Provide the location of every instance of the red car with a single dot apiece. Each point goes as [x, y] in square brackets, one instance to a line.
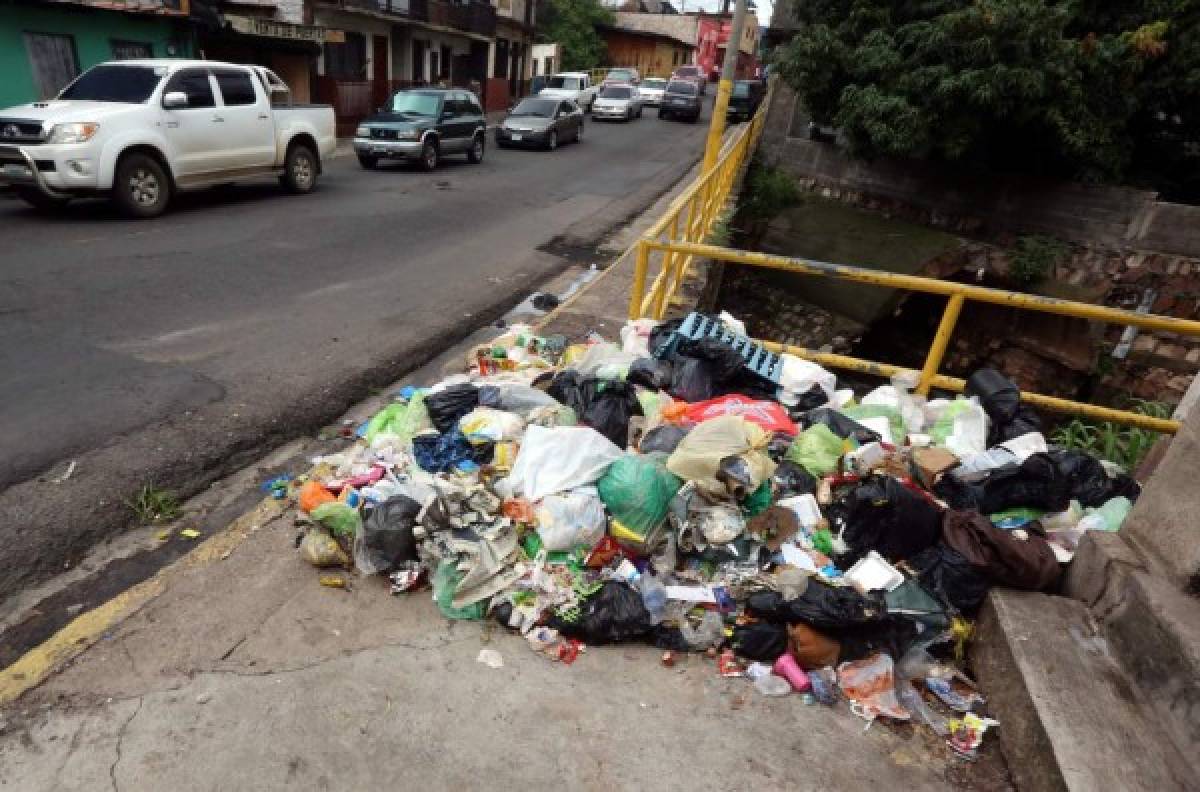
[692, 74]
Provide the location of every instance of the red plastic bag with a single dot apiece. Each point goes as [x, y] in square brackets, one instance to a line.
[767, 414]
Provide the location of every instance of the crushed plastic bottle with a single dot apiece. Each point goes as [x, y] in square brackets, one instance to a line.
[654, 597]
[710, 632]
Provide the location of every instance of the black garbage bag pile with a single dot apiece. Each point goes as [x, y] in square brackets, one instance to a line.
[579, 504]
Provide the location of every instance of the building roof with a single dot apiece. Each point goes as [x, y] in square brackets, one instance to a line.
[649, 34]
[681, 28]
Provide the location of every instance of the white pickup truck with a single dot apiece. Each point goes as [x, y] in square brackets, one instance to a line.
[576, 86]
[141, 130]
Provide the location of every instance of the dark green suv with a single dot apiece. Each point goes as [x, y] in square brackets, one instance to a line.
[422, 126]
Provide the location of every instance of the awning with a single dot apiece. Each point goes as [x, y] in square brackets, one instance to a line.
[270, 28]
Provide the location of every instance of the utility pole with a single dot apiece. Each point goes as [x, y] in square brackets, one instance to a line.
[733, 50]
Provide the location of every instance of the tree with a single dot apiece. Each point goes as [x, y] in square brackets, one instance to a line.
[572, 24]
[1066, 87]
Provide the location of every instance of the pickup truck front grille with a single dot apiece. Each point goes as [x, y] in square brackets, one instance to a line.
[383, 134]
[16, 130]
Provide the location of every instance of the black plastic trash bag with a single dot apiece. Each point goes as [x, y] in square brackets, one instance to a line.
[387, 535]
[445, 452]
[790, 479]
[650, 373]
[665, 438]
[811, 399]
[1089, 482]
[760, 641]
[569, 388]
[943, 572]
[609, 408]
[884, 515]
[613, 614]
[449, 404]
[1026, 421]
[999, 396]
[839, 424]
[1037, 483]
[828, 609]
[703, 369]
[659, 342]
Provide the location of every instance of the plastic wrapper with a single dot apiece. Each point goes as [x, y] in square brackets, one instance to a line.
[839, 424]
[496, 426]
[402, 419]
[817, 449]
[450, 451]
[445, 584]
[766, 414]
[870, 684]
[560, 459]
[797, 378]
[637, 491]
[635, 336]
[709, 633]
[340, 519]
[322, 550]
[386, 539]
[862, 413]
[312, 495]
[698, 458]
[449, 404]
[604, 361]
[570, 519]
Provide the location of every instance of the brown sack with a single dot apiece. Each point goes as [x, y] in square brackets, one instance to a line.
[813, 649]
[1002, 557]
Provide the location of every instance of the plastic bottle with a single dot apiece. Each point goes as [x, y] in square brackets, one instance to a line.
[654, 597]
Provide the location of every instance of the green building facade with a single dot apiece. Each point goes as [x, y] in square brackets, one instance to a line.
[43, 45]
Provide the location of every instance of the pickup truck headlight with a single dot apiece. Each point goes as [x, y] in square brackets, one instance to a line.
[362, 132]
[72, 133]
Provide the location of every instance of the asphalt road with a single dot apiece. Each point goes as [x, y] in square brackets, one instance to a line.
[248, 313]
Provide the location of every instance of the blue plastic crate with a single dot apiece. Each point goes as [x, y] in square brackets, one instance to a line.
[697, 326]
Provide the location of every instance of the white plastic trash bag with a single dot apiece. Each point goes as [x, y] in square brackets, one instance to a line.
[560, 458]
[570, 519]
[635, 336]
[497, 426]
[604, 361]
[797, 376]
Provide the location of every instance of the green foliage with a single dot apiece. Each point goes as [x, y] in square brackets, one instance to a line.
[153, 505]
[1085, 88]
[1124, 445]
[1033, 259]
[572, 23]
[768, 192]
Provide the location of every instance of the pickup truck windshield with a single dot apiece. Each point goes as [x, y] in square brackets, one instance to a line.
[565, 83]
[422, 104]
[615, 92]
[115, 83]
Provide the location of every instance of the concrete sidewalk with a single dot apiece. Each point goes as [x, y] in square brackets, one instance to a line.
[234, 669]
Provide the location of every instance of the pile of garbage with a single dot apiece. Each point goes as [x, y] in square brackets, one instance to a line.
[688, 489]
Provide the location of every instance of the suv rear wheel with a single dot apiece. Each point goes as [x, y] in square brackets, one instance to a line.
[140, 186]
[429, 156]
[475, 153]
[367, 161]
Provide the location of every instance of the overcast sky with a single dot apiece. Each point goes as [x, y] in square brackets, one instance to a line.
[763, 7]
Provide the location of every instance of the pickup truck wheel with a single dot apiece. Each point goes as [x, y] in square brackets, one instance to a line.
[429, 156]
[299, 170]
[140, 186]
[475, 153]
[367, 161]
[39, 200]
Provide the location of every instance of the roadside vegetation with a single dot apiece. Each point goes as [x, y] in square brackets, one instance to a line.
[1127, 446]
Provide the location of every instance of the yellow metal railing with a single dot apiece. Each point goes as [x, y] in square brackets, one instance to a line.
[678, 238]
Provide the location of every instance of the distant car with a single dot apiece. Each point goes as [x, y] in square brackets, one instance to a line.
[422, 126]
[681, 100]
[576, 86]
[652, 89]
[623, 75]
[617, 101]
[691, 73]
[541, 121]
[747, 95]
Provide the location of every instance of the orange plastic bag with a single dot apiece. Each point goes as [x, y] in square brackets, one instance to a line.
[313, 495]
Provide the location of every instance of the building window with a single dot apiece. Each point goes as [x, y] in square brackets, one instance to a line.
[128, 50]
[347, 60]
[52, 60]
[500, 68]
[434, 65]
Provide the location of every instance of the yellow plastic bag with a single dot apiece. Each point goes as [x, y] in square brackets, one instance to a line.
[698, 456]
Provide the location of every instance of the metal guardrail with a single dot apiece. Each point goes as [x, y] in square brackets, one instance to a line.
[678, 238]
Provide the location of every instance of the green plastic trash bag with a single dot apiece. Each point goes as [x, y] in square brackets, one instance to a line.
[341, 520]
[817, 449]
[895, 421]
[943, 427]
[445, 583]
[758, 501]
[637, 491]
[403, 419]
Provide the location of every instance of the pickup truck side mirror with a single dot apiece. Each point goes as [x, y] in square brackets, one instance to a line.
[174, 99]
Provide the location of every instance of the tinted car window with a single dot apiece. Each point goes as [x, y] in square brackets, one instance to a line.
[565, 107]
[473, 105]
[741, 89]
[543, 108]
[416, 103]
[620, 74]
[688, 71]
[130, 84]
[681, 87]
[236, 87]
[653, 83]
[194, 83]
[566, 83]
[615, 92]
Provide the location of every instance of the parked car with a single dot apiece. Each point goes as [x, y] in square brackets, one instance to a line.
[422, 126]
[576, 86]
[139, 131]
[681, 100]
[617, 101]
[744, 100]
[651, 90]
[692, 73]
[623, 75]
[541, 121]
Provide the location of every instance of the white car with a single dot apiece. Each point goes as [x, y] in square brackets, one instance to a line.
[573, 86]
[652, 89]
[617, 101]
[141, 130]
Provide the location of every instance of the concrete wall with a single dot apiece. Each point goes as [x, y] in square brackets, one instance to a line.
[1111, 216]
[93, 31]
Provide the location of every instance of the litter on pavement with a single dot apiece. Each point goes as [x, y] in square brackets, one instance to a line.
[685, 488]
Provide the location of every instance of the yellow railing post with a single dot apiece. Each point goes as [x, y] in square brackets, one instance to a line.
[669, 280]
[937, 350]
[642, 262]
